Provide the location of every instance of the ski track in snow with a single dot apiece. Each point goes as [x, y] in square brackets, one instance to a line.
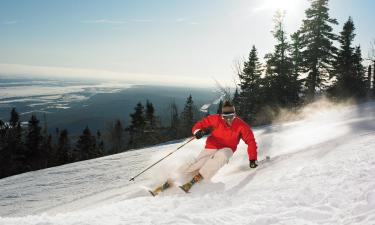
[322, 171]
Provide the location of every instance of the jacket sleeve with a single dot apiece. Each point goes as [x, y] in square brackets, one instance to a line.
[208, 121]
[248, 137]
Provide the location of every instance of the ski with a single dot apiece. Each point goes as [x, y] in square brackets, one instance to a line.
[184, 189]
[152, 193]
[160, 189]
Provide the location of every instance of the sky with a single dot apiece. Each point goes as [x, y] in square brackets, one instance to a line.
[196, 42]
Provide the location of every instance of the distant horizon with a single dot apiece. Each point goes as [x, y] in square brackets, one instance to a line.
[193, 43]
[136, 82]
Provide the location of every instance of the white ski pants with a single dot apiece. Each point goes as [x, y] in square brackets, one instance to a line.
[207, 163]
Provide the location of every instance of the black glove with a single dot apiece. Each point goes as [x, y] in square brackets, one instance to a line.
[253, 164]
[200, 133]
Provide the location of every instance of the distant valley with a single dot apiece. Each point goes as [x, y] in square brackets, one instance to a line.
[75, 104]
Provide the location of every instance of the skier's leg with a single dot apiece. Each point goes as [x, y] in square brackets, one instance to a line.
[191, 168]
[213, 164]
[210, 167]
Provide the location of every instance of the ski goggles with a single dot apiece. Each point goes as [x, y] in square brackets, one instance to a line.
[229, 116]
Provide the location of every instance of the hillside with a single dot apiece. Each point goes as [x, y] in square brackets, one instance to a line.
[322, 171]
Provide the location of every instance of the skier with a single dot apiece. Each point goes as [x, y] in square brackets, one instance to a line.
[225, 131]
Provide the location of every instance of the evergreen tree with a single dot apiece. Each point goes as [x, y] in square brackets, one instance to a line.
[48, 151]
[136, 129]
[250, 84]
[297, 68]
[14, 151]
[117, 137]
[283, 85]
[150, 118]
[187, 117]
[296, 53]
[14, 118]
[5, 155]
[35, 156]
[15, 144]
[317, 40]
[360, 73]
[99, 144]
[151, 125]
[86, 146]
[348, 66]
[64, 151]
[236, 100]
[3, 129]
[174, 129]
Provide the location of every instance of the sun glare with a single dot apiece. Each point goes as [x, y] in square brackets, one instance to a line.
[283, 5]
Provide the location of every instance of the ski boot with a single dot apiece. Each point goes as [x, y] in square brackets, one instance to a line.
[186, 187]
[161, 188]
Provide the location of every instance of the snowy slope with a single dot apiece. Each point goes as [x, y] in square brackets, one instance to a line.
[322, 171]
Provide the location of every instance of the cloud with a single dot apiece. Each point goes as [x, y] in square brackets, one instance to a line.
[104, 21]
[84, 73]
[181, 20]
[10, 22]
[186, 20]
[142, 21]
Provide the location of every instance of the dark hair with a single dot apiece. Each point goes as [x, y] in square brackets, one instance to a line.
[227, 104]
[227, 108]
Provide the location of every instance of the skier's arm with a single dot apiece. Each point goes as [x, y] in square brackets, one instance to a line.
[206, 123]
[248, 137]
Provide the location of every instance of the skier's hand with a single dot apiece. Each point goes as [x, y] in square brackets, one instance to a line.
[199, 134]
[208, 130]
[253, 164]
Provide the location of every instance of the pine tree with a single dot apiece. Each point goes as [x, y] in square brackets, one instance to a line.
[360, 73]
[317, 40]
[236, 100]
[14, 139]
[174, 129]
[64, 151]
[250, 84]
[116, 137]
[282, 82]
[86, 146]
[297, 68]
[35, 156]
[348, 66]
[150, 118]
[14, 118]
[99, 144]
[136, 129]
[151, 125]
[296, 53]
[47, 148]
[187, 117]
[14, 149]
[5, 155]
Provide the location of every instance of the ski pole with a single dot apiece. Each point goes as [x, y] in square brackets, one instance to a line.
[192, 138]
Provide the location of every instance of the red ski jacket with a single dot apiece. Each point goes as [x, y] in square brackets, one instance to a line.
[225, 136]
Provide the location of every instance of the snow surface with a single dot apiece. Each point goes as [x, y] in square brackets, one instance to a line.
[322, 171]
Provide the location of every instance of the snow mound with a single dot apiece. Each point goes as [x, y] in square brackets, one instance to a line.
[322, 171]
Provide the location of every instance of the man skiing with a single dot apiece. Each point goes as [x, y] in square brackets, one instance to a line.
[225, 131]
